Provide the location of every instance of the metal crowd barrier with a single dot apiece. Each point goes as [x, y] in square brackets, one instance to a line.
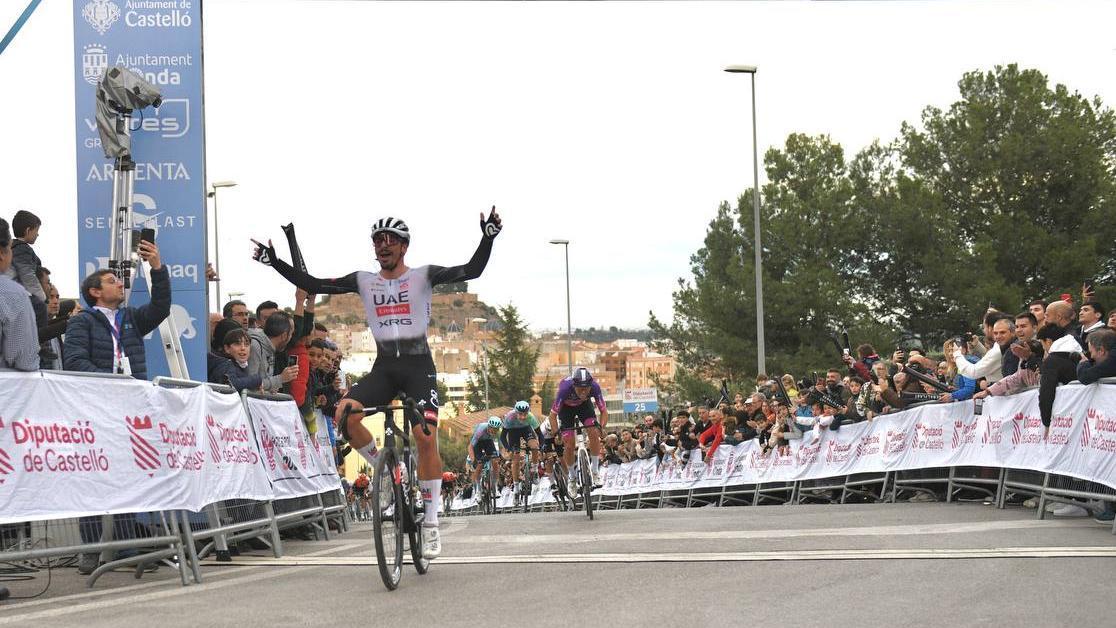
[143, 537]
[177, 538]
[962, 483]
[941, 484]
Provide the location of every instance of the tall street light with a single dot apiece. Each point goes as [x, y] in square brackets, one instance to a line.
[761, 348]
[484, 359]
[569, 327]
[217, 240]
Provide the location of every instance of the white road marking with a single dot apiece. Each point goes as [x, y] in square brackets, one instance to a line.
[117, 601]
[895, 530]
[230, 569]
[796, 555]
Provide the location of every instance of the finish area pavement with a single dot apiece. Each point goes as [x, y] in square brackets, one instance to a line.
[836, 565]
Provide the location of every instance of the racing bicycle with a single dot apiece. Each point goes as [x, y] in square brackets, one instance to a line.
[397, 508]
[584, 477]
[488, 493]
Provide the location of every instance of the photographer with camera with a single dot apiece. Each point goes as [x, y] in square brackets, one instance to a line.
[991, 365]
[862, 367]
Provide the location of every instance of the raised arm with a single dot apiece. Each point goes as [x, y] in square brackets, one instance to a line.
[265, 254]
[472, 269]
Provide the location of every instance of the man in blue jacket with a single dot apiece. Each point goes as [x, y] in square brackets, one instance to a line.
[108, 338]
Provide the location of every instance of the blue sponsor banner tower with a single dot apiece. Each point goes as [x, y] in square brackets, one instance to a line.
[162, 41]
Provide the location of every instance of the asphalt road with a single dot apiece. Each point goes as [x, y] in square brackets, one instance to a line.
[853, 565]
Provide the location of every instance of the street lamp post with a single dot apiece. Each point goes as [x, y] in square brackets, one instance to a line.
[761, 360]
[216, 237]
[569, 326]
[484, 362]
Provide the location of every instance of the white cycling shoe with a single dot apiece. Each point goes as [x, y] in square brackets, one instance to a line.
[431, 543]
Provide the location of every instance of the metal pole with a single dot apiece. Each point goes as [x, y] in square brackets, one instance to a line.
[217, 246]
[484, 351]
[760, 348]
[569, 325]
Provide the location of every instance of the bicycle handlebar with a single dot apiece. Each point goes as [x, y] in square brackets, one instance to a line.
[389, 409]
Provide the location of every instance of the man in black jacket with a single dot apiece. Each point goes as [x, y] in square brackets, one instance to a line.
[1091, 318]
[1058, 367]
[107, 338]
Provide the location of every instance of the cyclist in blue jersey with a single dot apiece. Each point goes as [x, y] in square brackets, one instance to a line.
[574, 404]
[397, 303]
[482, 445]
[520, 425]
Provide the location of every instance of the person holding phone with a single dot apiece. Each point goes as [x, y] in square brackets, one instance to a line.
[108, 338]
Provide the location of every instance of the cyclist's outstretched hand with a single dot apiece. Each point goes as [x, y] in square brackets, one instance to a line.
[492, 226]
[264, 254]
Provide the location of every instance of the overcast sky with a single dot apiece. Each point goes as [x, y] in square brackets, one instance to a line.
[608, 124]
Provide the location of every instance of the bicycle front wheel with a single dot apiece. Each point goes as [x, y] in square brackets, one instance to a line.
[586, 482]
[526, 484]
[387, 518]
[492, 494]
[564, 500]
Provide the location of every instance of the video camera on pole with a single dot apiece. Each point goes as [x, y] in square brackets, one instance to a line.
[120, 92]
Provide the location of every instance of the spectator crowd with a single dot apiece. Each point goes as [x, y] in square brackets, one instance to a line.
[268, 350]
[1044, 346]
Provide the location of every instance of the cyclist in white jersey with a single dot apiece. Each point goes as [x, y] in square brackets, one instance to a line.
[397, 303]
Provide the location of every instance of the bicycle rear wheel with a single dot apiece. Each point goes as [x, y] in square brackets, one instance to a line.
[387, 518]
[586, 481]
[415, 505]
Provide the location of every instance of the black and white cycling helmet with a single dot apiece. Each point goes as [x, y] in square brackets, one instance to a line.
[581, 377]
[392, 225]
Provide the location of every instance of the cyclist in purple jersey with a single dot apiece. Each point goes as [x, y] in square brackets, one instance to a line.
[574, 404]
[397, 302]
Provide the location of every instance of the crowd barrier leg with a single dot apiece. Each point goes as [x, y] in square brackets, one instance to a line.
[324, 518]
[860, 483]
[1041, 514]
[273, 528]
[168, 537]
[106, 536]
[220, 540]
[184, 557]
[1063, 489]
[191, 546]
[1020, 481]
[975, 479]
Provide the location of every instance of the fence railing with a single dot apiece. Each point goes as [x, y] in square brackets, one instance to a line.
[178, 537]
[944, 450]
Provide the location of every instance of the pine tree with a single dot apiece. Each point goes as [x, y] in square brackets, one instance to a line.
[511, 359]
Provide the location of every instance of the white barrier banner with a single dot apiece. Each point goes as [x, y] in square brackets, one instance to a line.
[292, 457]
[1008, 433]
[73, 446]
